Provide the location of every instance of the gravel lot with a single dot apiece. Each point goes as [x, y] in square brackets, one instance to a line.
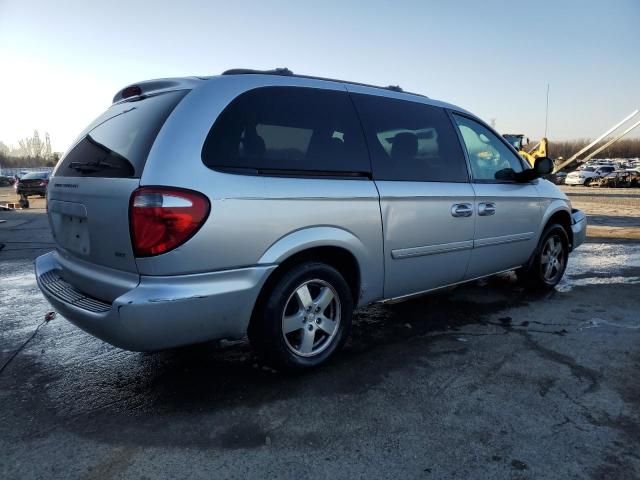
[483, 381]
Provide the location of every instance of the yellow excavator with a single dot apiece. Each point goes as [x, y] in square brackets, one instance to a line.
[539, 149]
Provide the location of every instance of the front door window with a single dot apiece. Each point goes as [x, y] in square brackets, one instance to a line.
[491, 160]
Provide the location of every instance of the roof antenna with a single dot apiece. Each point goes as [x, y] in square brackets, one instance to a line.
[546, 118]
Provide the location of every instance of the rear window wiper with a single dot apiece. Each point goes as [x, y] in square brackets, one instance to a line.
[93, 166]
[87, 167]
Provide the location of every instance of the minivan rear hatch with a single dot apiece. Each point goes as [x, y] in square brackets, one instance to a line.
[90, 190]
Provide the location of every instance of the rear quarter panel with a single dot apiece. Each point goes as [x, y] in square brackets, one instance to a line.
[253, 217]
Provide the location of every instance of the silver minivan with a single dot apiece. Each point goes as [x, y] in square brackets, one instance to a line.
[273, 204]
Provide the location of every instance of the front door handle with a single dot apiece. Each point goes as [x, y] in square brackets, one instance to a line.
[486, 209]
[462, 210]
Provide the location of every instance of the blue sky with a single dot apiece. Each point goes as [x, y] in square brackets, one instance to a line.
[63, 61]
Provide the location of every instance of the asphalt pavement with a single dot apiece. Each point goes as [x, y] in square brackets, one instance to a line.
[484, 381]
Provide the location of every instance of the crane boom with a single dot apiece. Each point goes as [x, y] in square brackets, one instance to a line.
[610, 142]
[612, 129]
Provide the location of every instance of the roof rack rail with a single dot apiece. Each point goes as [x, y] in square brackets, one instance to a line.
[288, 73]
[246, 71]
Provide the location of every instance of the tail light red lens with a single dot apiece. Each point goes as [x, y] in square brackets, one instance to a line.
[162, 218]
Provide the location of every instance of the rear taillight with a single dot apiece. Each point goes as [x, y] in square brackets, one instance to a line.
[163, 218]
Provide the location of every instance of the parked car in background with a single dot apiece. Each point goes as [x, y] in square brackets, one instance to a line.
[559, 177]
[618, 179]
[587, 175]
[634, 178]
[6, 181]
[34, 183]
[273, 204]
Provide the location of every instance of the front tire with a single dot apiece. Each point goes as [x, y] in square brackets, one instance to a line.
[549, 263]
[305, 318]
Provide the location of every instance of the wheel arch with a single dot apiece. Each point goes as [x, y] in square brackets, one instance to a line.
[558, 213]
[332, 245]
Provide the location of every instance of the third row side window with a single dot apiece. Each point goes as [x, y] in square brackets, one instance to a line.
[288, 129]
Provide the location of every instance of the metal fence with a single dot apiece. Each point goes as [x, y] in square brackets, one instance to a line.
[604, 197]
[10, 172]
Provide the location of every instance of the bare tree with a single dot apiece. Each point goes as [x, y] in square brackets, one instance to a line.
[31, 152]
[34, 147]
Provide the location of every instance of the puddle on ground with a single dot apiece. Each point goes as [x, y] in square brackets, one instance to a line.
[603, 258]
[599, 322]
[22, 306]
[606, 262]
[567, 283]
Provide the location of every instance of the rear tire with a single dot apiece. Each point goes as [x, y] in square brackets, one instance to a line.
[546, 268]
[304, 319]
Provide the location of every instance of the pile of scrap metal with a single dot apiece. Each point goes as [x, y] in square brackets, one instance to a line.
[618, 179]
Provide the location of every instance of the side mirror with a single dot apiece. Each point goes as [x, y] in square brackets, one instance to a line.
[542, 166]
[507, 174]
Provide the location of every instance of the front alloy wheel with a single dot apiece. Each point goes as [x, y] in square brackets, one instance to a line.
[549, 261]
[552, 260]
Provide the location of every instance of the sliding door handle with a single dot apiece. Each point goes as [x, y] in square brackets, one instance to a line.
[486, 209]
[462, 210]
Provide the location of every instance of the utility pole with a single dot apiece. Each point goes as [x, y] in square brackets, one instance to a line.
[546, 117]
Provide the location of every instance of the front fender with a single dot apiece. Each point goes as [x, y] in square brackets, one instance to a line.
[369, 260]
[554, 206]
[551, 207]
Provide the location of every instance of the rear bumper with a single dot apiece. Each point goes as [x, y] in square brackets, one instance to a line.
[574, 181]
[578, 227]
[160, 312]
[31, 191]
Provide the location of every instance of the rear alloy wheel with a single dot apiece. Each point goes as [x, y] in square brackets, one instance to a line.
[305, 318]
[550, 261]
[311, 318]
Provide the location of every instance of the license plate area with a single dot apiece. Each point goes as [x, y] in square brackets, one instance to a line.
[71, 232]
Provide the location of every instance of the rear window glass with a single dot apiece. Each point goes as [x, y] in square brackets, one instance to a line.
[35, 175]
[411, 141]
[288, 129]
[119, 145]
